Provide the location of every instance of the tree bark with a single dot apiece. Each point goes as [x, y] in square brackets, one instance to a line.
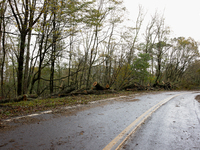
[53, 49]
[26, 73]
[2, 46]
[21, 63]
[24, 25]
[98, 86]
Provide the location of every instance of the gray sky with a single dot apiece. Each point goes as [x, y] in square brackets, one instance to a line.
[183, 17]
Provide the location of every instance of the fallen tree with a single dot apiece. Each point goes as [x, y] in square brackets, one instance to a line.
[98, 86]
[98, 89]
[25, 97]
[87, 92]
[134, 87]
[107, 86]
[166, 86]
[67, 90]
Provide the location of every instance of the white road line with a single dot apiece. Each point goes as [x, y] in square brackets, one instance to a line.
[50, 111]
[32, 115]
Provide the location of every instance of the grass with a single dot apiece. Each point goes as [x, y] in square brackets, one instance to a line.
[12, 109]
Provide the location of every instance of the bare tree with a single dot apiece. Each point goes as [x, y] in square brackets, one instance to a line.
[161, 46]
[135, 30]
[181, 55]
[3, 8]
[25, 20]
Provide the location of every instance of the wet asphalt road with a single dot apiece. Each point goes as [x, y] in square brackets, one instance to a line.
[173, 126]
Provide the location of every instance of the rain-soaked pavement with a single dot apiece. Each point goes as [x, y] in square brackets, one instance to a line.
[175, 125]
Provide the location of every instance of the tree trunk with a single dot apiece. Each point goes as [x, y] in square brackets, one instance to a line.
[92, 58]
[24, 20]
[26, 73]
[1, 54]
[158, 71]
[52, 77]
[70, 58]
[2, 47]
[20, 63]
[14, 76]
[98, 86]
[53, 53]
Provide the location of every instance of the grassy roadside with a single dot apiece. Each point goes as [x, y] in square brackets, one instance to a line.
[8, 110]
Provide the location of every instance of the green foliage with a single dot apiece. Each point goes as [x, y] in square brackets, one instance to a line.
[140, 66]
[184, 53]
[94, 18]
[87, 36]
[191, 76]
[123, 78]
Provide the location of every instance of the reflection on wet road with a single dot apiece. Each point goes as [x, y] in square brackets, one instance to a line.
[174, 126]
[96, 125]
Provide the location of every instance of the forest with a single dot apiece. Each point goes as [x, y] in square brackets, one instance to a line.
[47, 46]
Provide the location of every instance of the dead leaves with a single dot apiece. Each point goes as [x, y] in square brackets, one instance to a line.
[81, 133]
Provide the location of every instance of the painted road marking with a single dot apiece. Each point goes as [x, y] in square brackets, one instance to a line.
[31, 115]
[136, 123]
[65, 108]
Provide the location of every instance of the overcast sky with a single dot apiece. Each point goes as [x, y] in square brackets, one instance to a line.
[183, 17]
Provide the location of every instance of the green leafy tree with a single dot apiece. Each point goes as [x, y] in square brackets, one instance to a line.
[140, 66]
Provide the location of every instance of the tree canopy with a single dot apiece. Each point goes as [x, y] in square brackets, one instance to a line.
[50, 45]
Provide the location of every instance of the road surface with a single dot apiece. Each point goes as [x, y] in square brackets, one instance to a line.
[164, 120]
[175, 126]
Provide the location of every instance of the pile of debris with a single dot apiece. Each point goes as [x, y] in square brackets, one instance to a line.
[97, 90]
[138, 87]
[25, 97]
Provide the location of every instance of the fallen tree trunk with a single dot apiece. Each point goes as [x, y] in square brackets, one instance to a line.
[86, 92]
[98, 86]
[24, 97]
[62, 93]
[166, 86]
[69, 90]
[72, 94]
[135, 87]
[30, 97]
[131, 89]
[107, 87]
[100, 92]
[7, 100]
